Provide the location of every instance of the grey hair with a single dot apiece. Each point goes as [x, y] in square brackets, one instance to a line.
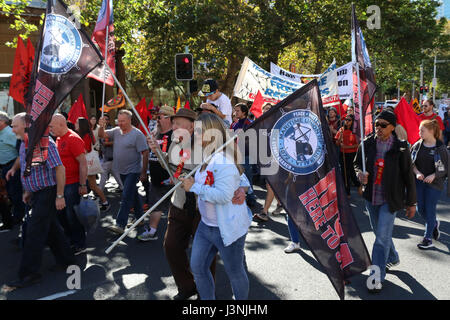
[21, 116]
[4, 117]
[127, 112]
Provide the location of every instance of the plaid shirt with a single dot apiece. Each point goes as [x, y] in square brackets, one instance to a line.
[378, 196]
[41, 176]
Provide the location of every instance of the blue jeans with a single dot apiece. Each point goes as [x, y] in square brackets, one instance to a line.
[130, 199]
[207, 242]
[427, 199]
[68, 218]
[293, 230]
[382, 222]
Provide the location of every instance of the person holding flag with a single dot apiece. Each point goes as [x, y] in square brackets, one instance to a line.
[389, 186]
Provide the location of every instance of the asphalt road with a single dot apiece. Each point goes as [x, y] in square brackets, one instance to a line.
[139, 271]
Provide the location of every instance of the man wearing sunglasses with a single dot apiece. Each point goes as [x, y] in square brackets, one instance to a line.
[428, 114]
[389, 187]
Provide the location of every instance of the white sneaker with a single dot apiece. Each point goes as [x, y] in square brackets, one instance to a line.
[292, 247]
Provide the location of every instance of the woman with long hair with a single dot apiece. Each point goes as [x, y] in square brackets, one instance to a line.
[430, 165]
[348, 143]
[83, 128]
[224, 225]
[94, 128]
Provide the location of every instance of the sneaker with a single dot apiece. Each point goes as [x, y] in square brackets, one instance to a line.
[145, 207]
[147, 236]
[78, 250]
[261, 217]
[278, 210]
[116, 229]
[436, 232]
[376, 289]
[292, 247]
[391, 265]
[105, 207]
[425, 244]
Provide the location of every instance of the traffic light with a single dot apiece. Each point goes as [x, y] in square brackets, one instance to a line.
[184, 67]
[424, 89]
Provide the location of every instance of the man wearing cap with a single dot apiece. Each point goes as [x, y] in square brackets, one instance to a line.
[223, 107]
[389, 187]
[159, 178]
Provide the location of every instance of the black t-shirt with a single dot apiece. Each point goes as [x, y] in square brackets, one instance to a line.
[157, 173]
[425, 160]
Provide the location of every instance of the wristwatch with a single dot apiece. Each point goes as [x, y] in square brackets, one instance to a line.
[82, 185]
[60, 196]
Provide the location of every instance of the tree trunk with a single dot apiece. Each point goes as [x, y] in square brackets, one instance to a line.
[234, 65]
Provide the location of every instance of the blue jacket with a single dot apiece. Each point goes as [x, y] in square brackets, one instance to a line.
[233, 220]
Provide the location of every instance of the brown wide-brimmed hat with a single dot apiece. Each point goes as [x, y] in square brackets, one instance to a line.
[185, 113]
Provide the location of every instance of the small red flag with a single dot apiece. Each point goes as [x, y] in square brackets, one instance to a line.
[77, 110]
[186, 105]
[19, 84]
[408, 119]
[141, 108]
[256, 108]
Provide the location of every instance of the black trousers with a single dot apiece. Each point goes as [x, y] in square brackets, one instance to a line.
[43, 229]
[349, 170]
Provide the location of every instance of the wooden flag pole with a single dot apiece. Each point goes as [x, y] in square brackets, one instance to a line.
[104, 68]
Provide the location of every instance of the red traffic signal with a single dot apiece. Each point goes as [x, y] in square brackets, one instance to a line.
[184, 67]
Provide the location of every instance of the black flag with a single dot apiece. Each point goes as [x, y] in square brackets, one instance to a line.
[360, 57]
[64, 57]
[302, 169]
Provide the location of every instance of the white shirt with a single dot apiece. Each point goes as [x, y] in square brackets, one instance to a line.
[207, 209]
[223, 103]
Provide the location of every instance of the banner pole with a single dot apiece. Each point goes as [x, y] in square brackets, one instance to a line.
[104, 68]
[107, 251]
[158, 151]
[361, 119]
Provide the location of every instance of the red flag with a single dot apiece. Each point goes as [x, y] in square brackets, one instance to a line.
[141, 108]
[31, 53]
[150, 105]
[19, 83]
[105, 19]
[78, 110]
[186, 105]
[368, 123]
[408, 119]
[256, 108]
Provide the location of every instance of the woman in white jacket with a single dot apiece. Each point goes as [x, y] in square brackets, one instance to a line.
[224, 225]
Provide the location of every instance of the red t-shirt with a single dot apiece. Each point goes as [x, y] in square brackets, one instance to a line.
[438, 119]
[349, 139]
[70, 146]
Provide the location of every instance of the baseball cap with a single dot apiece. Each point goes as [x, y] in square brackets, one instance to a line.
[208, 88]
[166, 110]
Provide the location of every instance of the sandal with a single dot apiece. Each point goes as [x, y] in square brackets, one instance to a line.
[261, 217]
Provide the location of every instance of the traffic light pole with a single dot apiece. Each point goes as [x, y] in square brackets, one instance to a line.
[421, 82]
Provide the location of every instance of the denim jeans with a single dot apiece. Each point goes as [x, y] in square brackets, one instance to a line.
[382, 222]
[427, 199]
[68, 218]
[130, 199]
[14, 189]
[293, 230]
[207, 242]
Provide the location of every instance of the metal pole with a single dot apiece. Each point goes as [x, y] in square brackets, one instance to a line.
[412, 90]
[398, 90]
[158, 151]
[434, 80]
[104, 68]
[168, 194]
[421, 82]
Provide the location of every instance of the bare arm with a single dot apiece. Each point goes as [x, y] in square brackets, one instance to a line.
[144, 164]
[60, 182]
[83, 172]
[14, 168]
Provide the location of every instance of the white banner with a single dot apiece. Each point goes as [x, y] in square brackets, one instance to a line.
[328, 85]
[344, 78]
[253, 78]
[345, 81]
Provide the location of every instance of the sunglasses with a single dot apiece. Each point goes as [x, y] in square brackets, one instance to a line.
[382, 125]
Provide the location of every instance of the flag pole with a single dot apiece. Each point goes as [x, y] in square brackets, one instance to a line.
[104, 68]
[107, 251]
[158, 151]
[361, 119]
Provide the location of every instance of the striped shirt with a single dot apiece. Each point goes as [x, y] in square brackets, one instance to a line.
[42, 176]
[378, 196]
